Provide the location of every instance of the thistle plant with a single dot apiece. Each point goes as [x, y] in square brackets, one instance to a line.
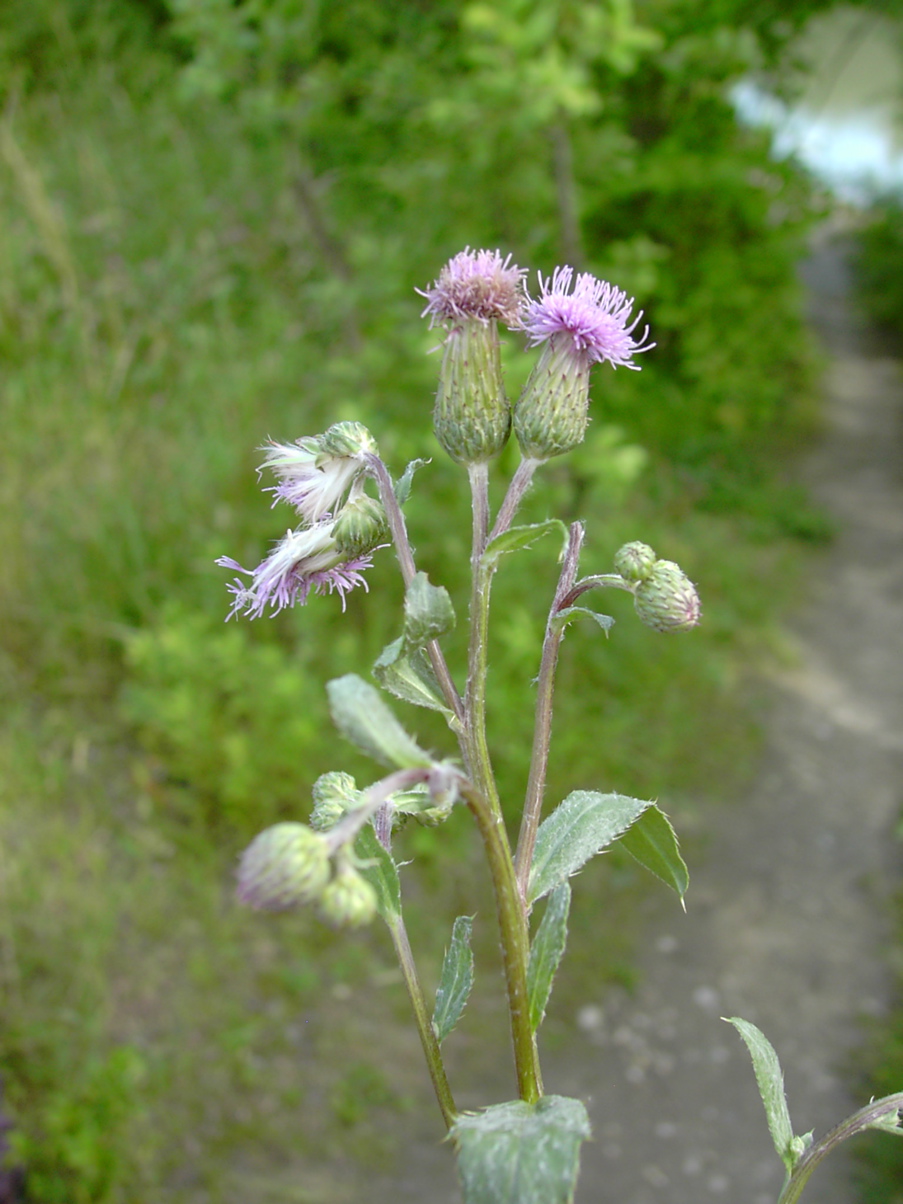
[344, 862]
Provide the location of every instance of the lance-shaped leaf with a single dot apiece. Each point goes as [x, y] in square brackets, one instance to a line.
[562, 618]
[582, 826]
[546, 952]
[456, 979]
[359, 713]
[381, 872]
[402, 486]
[653, 843]
[771, 1088]
[410, 677]
[516, 538]
[428, 612]
[519, 1153]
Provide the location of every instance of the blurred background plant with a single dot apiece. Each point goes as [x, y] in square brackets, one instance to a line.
[215, 215]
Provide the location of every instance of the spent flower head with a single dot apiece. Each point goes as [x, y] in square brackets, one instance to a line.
[315, 473]
[304, 561]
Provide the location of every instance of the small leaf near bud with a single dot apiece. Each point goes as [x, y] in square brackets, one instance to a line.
[349, 901]
[635, 561]
[285, 866]
[667, 599]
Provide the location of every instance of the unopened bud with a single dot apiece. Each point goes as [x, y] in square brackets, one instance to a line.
[635, 561]
[349, 901]
[360, 526]
[284, 866]
[667, 599]
[334, 795]
[347, 439]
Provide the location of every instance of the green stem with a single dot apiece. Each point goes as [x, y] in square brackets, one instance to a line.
[519, 485]
[542, 729]
[865, 1118]
[399, 532]
[428, 1040]
[515, 941]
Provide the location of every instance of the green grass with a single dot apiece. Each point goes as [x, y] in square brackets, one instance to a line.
[161, 313]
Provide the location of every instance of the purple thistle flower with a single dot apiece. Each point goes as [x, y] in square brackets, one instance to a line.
[593, 318]
[304, 561]
[477, 284]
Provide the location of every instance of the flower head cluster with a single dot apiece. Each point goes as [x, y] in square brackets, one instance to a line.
[323, 478]
[592, 319]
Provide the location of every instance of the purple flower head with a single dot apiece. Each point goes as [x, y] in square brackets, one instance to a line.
[303, 561]
[594, 317]
[477, 284]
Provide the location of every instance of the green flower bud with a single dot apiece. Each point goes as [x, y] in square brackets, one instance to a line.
[667, 600]
[635, 561]
[346, 439]
[360, 526]
[334, 795]
[284, 866]
[551, 416]
[349, 901]
[472, 415]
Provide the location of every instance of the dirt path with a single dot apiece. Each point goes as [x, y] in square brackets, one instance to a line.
[787, 921]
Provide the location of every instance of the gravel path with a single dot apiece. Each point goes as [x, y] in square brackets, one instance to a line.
[787, 917]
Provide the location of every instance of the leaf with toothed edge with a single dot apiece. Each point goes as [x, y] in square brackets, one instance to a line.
[516, 538]
[360, 714]
[456, 979]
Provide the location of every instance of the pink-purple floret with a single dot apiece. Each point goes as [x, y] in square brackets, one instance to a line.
[477, 284]
[279, 590]
[595, 315]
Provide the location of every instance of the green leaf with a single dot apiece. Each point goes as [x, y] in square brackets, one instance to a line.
[516, 538]
[360, 714]
[410, 677]
[579, 828]
[771, 1088]
[402, 486]
[653, 843]
[519, 1153]
[381, 872]
[456, 979]
[563, 617]
[546, 952]
[428, 612]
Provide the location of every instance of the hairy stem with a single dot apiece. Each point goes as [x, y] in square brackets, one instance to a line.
[519, 485]
[399, 532]
[514, 938]
[863, 1119]
[542, 730]
[428, 1040]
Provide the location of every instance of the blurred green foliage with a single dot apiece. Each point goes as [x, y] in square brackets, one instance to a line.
[879, 265]
[215, 214]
